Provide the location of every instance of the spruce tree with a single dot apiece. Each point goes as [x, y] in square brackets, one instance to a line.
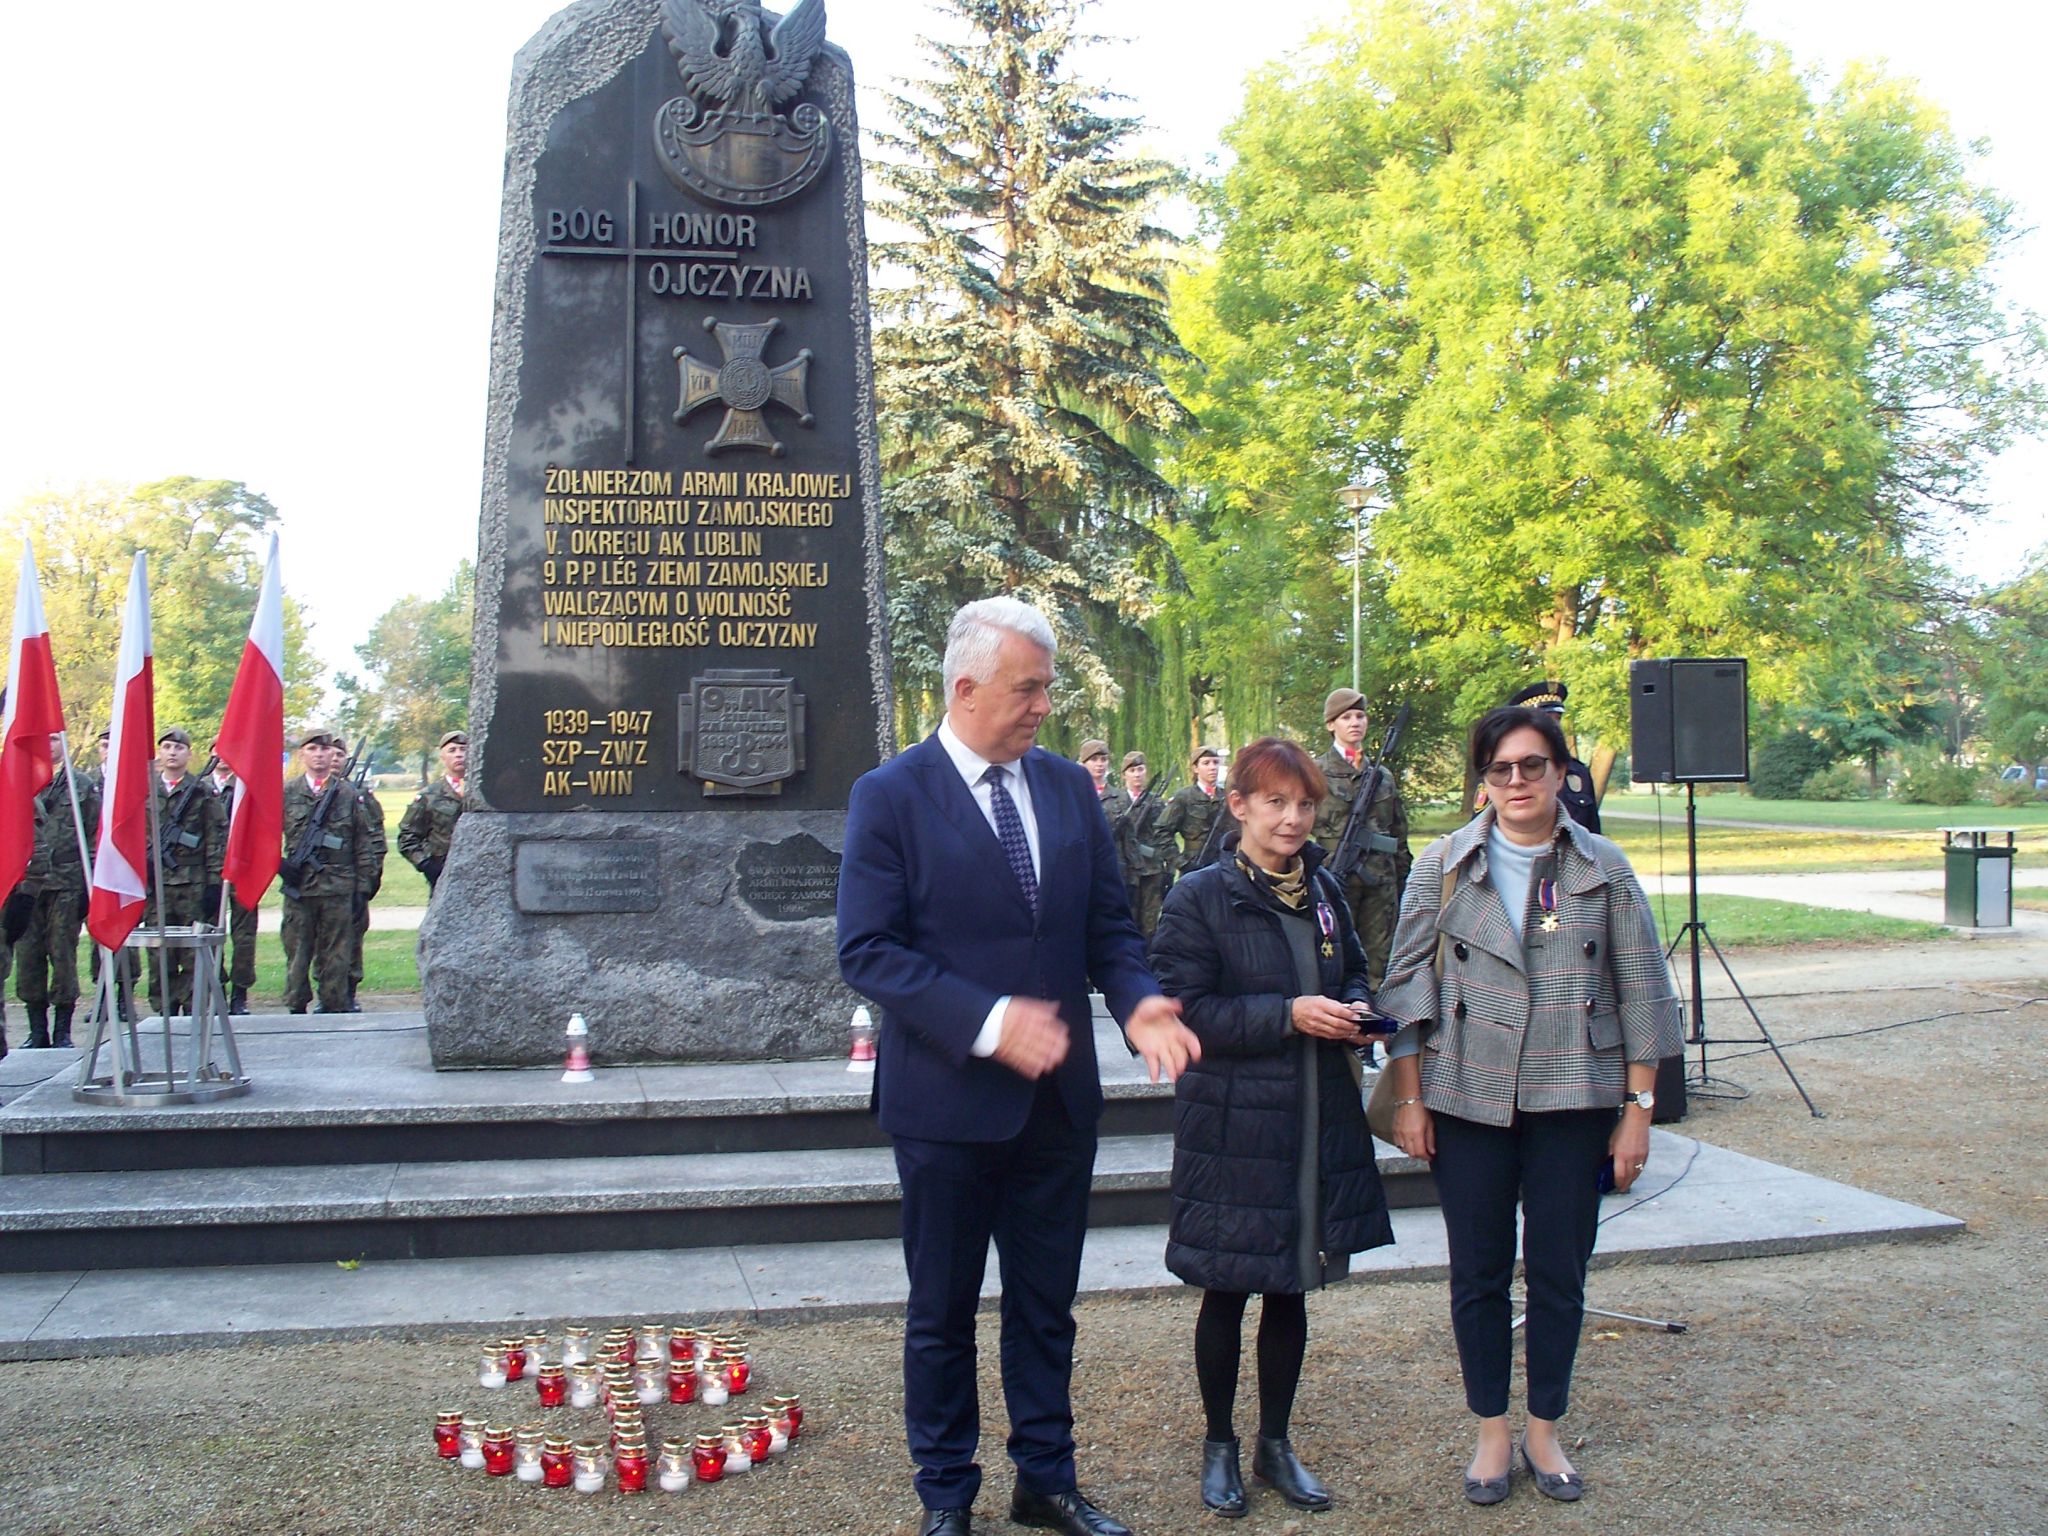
[1021, 326]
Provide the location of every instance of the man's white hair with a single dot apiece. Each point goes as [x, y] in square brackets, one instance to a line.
[977, 631]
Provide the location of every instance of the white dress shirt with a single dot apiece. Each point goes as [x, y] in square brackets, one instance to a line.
[971, 766]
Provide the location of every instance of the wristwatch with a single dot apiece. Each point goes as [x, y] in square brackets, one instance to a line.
[1643, 1100]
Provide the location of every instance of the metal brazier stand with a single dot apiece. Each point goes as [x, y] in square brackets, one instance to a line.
[212, 1068]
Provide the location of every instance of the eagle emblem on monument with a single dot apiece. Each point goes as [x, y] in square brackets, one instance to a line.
[727, 140]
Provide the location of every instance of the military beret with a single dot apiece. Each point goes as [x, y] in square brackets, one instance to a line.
[459, 736]
[1341, 699]
[1547, 696]
[318, 736]
[175, 733]
[1202, 752]
[1134, 760]
[1092, 748]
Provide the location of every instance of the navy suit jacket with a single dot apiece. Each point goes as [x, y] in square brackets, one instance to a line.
[933, 927]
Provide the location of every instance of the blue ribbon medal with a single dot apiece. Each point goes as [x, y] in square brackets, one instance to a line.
[1546, 898]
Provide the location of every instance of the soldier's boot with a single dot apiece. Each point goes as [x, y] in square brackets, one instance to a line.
[60, 1035]
[238, 1001]
[38, 1028]
[3, 1043]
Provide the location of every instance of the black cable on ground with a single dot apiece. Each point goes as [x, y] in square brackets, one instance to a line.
[1878, 1029]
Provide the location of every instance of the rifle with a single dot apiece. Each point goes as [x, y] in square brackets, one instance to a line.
[1212, 845]
[309, 858]
[1357, 843]
[172, 838]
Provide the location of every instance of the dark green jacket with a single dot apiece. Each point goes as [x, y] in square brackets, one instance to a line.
[1386, 814]
[350, 852]
[197, 837]
[428, 825]
[55, 864]
[1190, 815]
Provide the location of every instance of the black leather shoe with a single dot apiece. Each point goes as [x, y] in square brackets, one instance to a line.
[1275, 1463]
[947, 1522]
[1222, 1483]
[1068, 1512]
[238, 1001]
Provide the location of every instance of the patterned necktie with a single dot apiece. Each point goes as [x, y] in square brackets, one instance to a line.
[1010, 832]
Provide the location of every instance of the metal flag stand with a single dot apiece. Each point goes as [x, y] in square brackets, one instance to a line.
[128, 1081]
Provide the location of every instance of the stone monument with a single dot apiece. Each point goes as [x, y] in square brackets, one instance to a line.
[681, 663]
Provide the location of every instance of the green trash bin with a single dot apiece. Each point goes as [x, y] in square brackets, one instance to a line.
[1978, 887]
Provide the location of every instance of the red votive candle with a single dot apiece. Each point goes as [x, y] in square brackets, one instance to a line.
[448, 1434]
[553, 1385]
[708, 1457]
[498, 1449]
[557, 1462]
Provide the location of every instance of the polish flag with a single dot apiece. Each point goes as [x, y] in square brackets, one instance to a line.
[252, 744]
[34, 713]
[118, 891]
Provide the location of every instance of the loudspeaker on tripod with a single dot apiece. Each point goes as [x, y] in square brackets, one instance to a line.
[1689, 720]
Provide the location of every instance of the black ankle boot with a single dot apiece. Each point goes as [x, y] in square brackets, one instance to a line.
[1222, 1484]
[238, 1001]
[38, 1028]
[1274, 1462]
[61, 1035]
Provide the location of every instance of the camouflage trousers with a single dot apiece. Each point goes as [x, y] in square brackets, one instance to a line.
[1145, 893]
[241, 946]
[182, 904]
[1374, 910]
[319, 938]
[46, 955]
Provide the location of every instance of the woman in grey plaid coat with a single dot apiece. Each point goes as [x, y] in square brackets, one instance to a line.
[1536, 1004]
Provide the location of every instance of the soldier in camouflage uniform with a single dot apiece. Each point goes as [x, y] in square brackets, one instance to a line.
[1114, 802]
[428, 825]
[192, 839]
[1140, 849]
[1375, 890]
[1191, 814]
[241, 920]
[341, 867]
[373, 827]
[46, 954]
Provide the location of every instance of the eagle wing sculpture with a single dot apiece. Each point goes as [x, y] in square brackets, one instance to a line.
[792, 47]
[693, 38]
[744, 69]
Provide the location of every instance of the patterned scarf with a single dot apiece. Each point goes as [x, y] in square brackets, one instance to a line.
[1289, 888]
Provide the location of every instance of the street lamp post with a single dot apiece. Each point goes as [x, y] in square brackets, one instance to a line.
[1353, 499]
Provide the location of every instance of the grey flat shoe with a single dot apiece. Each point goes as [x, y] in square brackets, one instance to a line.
[1565, 1487]
[1490, 1490]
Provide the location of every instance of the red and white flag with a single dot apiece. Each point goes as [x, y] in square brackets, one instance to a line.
[34, 714]
[252, 744]
[122, 858]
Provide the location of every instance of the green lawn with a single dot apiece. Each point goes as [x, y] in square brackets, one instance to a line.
[1752, 922]
[1870, 815]
[1762, 850]
[388, 965]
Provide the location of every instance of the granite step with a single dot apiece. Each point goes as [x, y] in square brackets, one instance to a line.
[362, 1090]
[431, 1210]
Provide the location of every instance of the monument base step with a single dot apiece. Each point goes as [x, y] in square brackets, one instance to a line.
[1696, 1202]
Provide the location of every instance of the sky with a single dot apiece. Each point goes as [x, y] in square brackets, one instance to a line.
[256, 241]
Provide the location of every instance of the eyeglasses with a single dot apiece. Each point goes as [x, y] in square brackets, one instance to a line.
[1533, 768]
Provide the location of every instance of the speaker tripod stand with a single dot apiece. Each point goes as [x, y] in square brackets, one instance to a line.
[1706, 1085]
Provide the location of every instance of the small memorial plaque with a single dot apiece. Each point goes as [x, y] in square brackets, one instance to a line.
[790, 881]
[586, 874]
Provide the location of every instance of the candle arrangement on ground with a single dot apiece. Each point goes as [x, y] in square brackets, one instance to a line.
[624, 1374]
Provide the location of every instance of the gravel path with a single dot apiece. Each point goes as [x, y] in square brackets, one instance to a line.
[1869, 1389]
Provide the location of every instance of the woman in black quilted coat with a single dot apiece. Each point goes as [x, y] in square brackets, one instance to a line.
[1274, 1185]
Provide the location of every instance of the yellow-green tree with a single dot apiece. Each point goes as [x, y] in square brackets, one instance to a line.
[205, 540]
[1656, 347]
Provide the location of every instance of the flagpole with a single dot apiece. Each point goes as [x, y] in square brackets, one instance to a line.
[154, 860]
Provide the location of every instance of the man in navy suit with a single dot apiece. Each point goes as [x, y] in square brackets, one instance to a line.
[978, 899]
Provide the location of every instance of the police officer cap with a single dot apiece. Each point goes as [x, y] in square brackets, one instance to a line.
[1546, 696]
[319, 736]
[1134, 760]
[1092, 748]
[177, 734]
[1341, 699]
[1202, 752]
[455, 736]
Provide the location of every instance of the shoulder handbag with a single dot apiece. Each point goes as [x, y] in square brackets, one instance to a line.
[1379, 1106]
